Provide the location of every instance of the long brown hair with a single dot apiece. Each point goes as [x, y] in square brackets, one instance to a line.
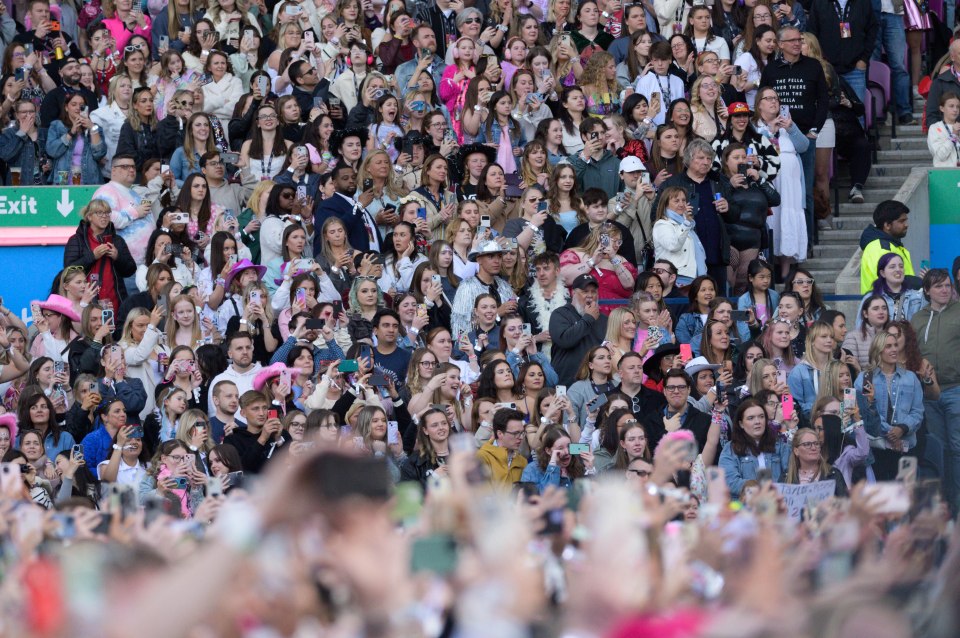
[575, 470]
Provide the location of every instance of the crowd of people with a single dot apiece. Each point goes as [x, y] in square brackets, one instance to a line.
[408, 312]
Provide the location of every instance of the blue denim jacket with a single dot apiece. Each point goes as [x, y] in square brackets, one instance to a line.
[907, 395]
[688, 326]
[740, 469]
[517, 140]
[17, 150]
[60, 149]
[803, 383]
[551, 476]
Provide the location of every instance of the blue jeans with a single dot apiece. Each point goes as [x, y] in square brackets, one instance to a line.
[893, 39]
[808, 159]
[943, 421]
[857, 80]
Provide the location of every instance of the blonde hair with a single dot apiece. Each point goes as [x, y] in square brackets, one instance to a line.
[615, 323]
[697, 105]
[830, 381]
[793, 469]
[95, 206]
[188, 421]
[592, 241]
[172, 324]
[453, 227]
[594, 77]
[755, 380]
[817, 329]
[394, 189]
[253, 203]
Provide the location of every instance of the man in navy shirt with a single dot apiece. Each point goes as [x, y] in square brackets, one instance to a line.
[386, 328]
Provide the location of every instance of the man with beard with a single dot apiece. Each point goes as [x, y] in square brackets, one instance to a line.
[52, 105]
[543, 299]
[242, 368]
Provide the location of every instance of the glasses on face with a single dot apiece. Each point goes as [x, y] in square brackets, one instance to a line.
[773, 98]
[126, 167]
[202, 33]
[803, 282]
[179, 458]
[214, 164]
[791, 41]
[515, 434]
[267, 118]
[298, 424]
[130, 48]
[661, 271]
[27, 112]
[640, 473]
[810, 445]
[429, 364]
[675, 388]
[472, 21]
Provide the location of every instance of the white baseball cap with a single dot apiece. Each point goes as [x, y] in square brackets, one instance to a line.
[630, 164]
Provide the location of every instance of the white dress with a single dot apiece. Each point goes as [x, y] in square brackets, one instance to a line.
[788, 221]
[749, 66]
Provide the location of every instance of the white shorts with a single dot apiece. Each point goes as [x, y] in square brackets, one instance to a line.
[828, 135]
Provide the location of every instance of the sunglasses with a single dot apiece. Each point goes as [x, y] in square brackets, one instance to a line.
[472, 21]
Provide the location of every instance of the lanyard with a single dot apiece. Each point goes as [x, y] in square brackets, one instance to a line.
[844, 13]
[265, 164]
[665, 91]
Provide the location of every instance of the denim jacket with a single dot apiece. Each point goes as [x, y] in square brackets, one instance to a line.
[60, 147]
[740, 469]
[907, 395]
[688, 326]
[550, 375]
[517, 139]
[804, 381]
[17, 150]
[910, 302]
[551, 476]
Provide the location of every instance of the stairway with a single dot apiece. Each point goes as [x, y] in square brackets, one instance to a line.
[895, 159]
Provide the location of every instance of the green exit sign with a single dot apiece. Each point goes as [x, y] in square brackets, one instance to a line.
[43, 205]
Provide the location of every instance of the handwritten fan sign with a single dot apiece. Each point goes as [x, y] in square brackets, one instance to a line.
[799, 496]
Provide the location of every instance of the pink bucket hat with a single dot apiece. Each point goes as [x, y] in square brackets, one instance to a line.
[263, 377]
[239, 267]
[62, 305]
[9, 420]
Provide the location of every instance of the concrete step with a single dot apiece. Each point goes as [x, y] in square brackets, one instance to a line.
[832, 251]
[834, 264]
[846, 236]
[918, 157]
[904, 143]
[913, 130]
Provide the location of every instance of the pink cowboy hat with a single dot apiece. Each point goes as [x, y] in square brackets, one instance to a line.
[62, 305]
[263, 377]
[9, 420]
[239, 267]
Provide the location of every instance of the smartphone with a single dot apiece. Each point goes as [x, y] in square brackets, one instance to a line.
[179, 218]
[925, 264]
[136, 432]
[301, 296]
[164, 42]
[849, 399]
[273, 414]
[561, 390]
[180, 482]
[293, 9]
[597, 402]
[393, 432]
[890, 497]
[542, 206]
[686, 352]
[784, 110]
[235, 479]
[656, 333]
[9, 476]
[377, 380]
[315, 324]
[18, 75]
[436, 553]
[781, 376]
[103, 527]
[308, 36]
[263, 83]
[737, 70]
[907, 469]
[367, 184]
[229, 157]
[484, 221]
[54, 25]
[214, 486]
[348, 365]
[740, 315]
[716, 485]
[787, 406]
[576, 449]
[527, 329]
[77, 451]
[764, 476]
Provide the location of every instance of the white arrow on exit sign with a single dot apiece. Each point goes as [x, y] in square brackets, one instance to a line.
[64, 206]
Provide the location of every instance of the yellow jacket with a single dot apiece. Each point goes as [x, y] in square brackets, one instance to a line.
[495, 458]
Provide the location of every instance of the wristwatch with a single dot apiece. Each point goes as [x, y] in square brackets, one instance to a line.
[117, 448]
[502, 27]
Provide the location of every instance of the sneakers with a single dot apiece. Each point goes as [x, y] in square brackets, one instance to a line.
[824, 224]
[856, 195]
[906, 120]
